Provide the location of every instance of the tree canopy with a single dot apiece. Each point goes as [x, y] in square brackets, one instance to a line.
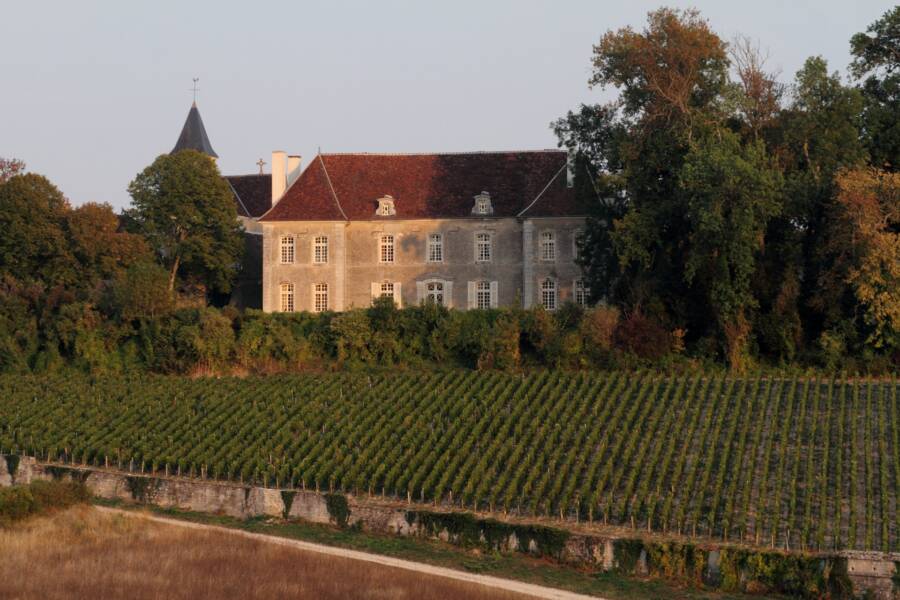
[717, 195]
[185, 210]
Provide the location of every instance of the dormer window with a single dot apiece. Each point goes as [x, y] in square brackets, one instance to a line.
[483, 204]
[385, 207]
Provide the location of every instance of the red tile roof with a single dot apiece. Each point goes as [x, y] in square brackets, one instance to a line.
[347, 186]
[253, 193]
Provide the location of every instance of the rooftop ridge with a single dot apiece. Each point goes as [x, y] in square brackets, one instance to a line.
[459, 153]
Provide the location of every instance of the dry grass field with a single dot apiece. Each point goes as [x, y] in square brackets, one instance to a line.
[82, 553]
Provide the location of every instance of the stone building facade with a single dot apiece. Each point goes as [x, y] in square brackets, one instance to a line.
[472, 230]
[465, 230]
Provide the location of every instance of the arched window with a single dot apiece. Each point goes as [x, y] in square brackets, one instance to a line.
[320, 297]
[548, 246]
[548, 294]
[320, 250]
[483, 247]
[287, 249]
[287, 297]
[386, 249]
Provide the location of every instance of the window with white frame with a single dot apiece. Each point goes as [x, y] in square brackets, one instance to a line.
[387, 289]
[482, 204]
[483, 247]
[320, 250]
[435, 247]
[385, 207]
[287, 249]
[434, 292]
[287, 297]
[320, 297]
[548, 294]
[576, 243]
[483, 295]
[580, 293]
[386, 249]
[548, 246]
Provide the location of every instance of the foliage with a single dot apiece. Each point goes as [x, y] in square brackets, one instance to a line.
[719, 458]
[186, 212]
[876, 54]
[34, 246]
[712, 197]
[10, 167]
[20, 502]
[338, 509]
[865, 240]
[465, 529]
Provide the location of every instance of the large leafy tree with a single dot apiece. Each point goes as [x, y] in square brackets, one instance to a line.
[730, 191]
[865, 241]
[97, 241]
[34, 246]
[876, 62]
[185, 210]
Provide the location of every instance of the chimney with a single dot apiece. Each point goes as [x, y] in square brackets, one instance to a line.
[293, 169]
[279, 175]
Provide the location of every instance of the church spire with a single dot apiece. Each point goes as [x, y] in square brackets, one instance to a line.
[193, 134]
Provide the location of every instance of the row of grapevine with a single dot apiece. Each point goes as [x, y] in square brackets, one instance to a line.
[777, 462]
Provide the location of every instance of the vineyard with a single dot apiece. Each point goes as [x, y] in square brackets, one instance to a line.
[797, 464]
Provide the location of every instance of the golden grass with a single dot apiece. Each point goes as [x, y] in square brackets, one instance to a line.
[83, 553]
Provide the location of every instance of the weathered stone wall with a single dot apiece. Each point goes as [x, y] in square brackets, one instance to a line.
[867, 570]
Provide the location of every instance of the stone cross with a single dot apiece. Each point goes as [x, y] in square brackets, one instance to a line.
[260, 163]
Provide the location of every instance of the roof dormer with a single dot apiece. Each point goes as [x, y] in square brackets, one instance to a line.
[483, 204]
[385, 206]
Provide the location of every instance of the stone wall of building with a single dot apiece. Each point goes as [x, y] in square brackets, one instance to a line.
[354, 265]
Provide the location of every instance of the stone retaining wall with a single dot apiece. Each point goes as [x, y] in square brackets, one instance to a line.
[866, 570]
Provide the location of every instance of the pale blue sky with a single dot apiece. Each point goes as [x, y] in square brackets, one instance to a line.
[93, 91]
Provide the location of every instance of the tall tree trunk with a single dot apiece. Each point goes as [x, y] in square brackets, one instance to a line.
[174, 272]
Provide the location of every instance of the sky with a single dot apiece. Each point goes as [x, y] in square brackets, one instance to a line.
[93, 91]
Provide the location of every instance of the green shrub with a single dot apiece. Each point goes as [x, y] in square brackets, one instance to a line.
[20, 502]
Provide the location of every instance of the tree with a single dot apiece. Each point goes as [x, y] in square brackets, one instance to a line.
[139, 292]
[34, 246]
[669, 72]
[876, 63]
[99, 244]
[595, 136]
[10, 167]
[185, 210]
[731, 191]
[759, 98]
[865, 240]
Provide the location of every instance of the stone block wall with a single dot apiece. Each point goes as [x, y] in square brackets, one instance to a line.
[873, 571]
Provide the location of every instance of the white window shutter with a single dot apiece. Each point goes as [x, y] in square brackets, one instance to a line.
[420, 292]
[398, 297]
[494, 295]
[448, 294]
[471, 304]
[376, 290]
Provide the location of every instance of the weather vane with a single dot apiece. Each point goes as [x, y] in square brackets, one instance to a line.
[260, 163]
[195, 89]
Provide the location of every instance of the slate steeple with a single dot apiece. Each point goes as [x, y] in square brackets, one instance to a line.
[193, 135]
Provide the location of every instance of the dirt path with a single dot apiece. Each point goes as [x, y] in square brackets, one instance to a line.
[518, 587]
